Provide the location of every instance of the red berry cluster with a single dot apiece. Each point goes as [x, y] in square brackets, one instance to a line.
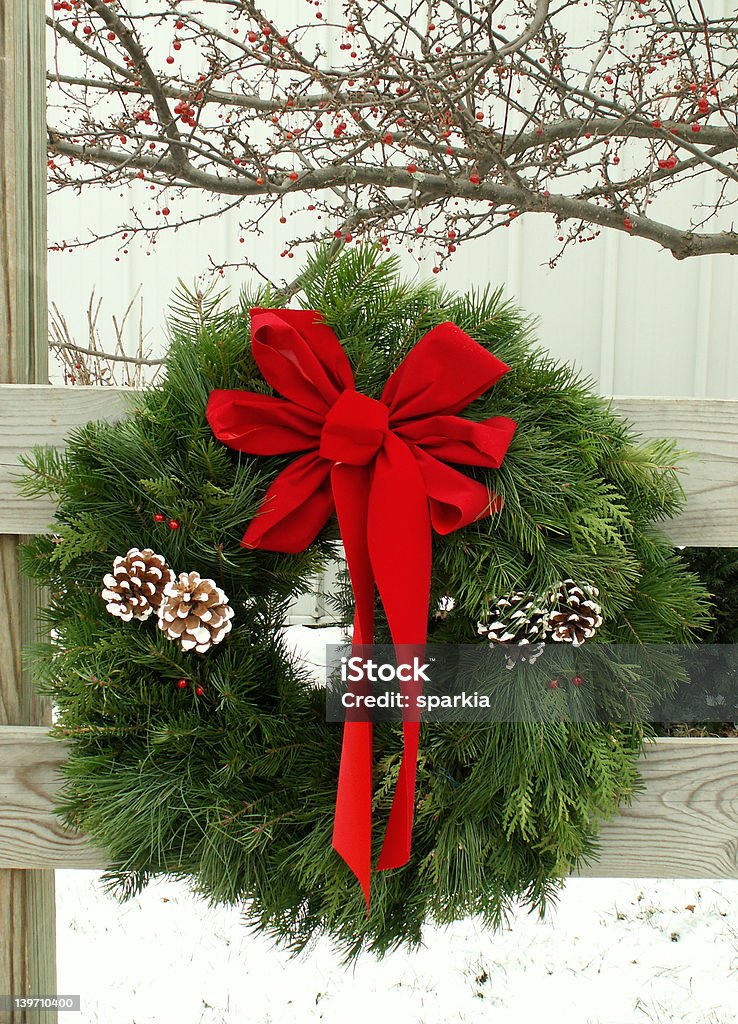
[182, 684]
[554, 684]
[159, 517]
[186, 113]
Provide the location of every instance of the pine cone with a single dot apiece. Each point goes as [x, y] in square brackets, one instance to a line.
[575, 614]
[523, 650]
[135, 588]
[515, 618]
[195, 612]
[445, 606]
[520, 622]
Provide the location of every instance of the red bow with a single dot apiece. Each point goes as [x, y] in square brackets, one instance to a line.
[382, 466]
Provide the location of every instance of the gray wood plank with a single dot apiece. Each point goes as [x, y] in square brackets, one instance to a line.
[43, 415]
[709, 429]
[27, 907]
[684, 825]
[706, 427]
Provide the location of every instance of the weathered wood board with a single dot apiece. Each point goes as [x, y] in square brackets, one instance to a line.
[708, 427]
[27, 910]
[43, 415]
[682, 826]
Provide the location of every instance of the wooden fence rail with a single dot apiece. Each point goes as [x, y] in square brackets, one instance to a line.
[683, 825]
[37, 414]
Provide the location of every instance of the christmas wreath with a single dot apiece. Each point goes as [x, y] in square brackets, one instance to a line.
[199, 746]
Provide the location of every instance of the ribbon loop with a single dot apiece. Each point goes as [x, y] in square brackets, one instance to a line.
[381, 465]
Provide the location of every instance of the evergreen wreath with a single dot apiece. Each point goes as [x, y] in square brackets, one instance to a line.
[217, 764]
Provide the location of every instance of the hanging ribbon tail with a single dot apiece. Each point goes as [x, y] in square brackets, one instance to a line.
[401, 560]
[352, 826]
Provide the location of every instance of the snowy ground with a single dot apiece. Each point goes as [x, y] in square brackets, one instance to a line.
[613, 952]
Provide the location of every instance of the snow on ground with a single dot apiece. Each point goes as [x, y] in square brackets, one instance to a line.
[612, 952]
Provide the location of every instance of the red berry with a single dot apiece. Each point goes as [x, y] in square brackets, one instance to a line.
[166, 211]
[173, 524]
[159, 517]
[656, 123]
[87, 30]
[452, 233]
[474, 178]
[111, 36]
[170, 60]
[696, 127]
[266, 30]
[176, 45]
[260, 180]
[388, 138]
[703, 106]
[349, 237]
[282, 220]
[199, 691]
[553, 684]
[628, 224]
[412, 168]
[252, 37]
[480, 115]
[181, 683]
[577, 681]
[293, 176]
[180, 25]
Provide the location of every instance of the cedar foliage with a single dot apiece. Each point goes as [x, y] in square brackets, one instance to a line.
[235, 790]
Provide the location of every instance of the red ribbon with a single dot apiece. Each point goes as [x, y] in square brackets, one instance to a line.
[382, 466]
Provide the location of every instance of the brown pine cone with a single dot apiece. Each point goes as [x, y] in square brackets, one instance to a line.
[135, 587]
[575, 614]
[195, 612]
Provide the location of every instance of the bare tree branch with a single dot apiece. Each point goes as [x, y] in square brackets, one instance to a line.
[431, 122]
